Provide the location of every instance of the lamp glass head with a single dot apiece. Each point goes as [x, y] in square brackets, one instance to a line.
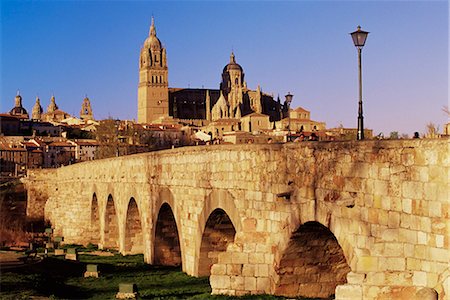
[359, 37]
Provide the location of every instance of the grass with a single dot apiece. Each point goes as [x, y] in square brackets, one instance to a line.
[61, 279]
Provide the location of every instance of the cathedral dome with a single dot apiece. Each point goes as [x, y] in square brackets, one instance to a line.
[17, 111]
[232, 65]
[153, 43]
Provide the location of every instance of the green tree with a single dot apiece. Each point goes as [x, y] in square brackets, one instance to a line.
[108, 139]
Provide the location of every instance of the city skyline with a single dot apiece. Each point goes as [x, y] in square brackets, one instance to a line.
[71, 49]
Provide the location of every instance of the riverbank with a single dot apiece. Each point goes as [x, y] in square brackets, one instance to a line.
[57, 278]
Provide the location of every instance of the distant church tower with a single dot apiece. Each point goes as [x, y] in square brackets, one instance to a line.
[86, 110]
[52, 107]
[153, 89]
[232, 86]
[37, 110]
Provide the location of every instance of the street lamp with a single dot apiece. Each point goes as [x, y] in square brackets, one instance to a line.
[288, 102]
[359, 39]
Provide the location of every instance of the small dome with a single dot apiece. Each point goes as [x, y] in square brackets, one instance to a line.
[153, 43]
[17, 111]
[232, 65]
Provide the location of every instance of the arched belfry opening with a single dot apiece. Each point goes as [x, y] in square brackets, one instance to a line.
[111, 225]
[167, 249]
[312, 265]
[134, 241]
[95, 221]
[219, 232]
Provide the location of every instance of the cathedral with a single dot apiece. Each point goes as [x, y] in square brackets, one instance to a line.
[233, 100]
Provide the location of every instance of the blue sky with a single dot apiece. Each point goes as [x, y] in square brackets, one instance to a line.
[74, 48]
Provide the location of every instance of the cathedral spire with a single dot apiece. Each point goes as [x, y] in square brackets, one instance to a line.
[152, 28]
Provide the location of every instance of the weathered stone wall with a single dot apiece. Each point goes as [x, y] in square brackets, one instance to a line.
[385, 202]
[39, 184]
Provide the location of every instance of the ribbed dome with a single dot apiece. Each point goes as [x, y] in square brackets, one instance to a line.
[153, 43]
[18, 111]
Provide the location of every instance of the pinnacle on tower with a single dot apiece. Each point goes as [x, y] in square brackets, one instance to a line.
[232, 58]
[152, 27]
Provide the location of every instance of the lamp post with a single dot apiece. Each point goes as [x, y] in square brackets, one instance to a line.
[359, 39]
[288, 102]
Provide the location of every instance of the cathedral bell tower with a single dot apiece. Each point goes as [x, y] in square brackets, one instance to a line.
[153, 89]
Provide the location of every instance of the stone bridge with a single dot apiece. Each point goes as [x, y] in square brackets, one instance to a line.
[361, 220]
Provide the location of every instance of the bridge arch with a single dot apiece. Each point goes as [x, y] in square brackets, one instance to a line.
[312, 264]
[111, 227]
[324, 213]
[167, 244]
[95, 221]
[219, 232]
[134, 239]
[218, 224]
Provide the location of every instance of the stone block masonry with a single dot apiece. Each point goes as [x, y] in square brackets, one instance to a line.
[361, 220]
